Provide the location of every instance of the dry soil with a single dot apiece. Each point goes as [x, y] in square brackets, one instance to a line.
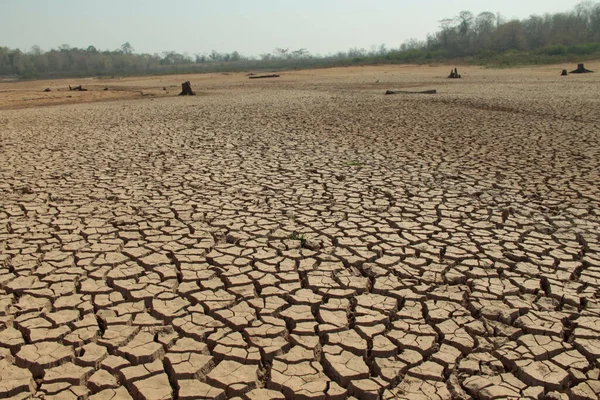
[305, 237]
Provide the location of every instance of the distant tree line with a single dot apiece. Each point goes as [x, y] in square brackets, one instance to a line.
[487, 34]
[483, 38]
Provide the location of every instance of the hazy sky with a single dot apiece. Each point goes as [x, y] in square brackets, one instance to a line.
[250, 27]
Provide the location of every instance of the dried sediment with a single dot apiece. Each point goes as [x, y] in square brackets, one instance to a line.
[271, 243]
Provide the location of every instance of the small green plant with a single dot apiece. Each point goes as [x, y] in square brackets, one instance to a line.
[298, 236]
[354, 163]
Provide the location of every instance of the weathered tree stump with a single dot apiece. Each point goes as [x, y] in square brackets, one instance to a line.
[47, 90]
[564, 73]
[581, 70]
[186, 89]
[454, 74]
[433, 91]
[264, 76]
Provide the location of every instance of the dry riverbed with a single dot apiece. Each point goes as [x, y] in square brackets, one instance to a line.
[302, 237]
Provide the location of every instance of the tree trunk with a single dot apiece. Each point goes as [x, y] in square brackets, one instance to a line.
[581, 70]
[186, 89]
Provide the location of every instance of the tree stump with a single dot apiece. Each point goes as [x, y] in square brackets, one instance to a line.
[581, 70]
[454, 74]
[186, 89]
[564, 72]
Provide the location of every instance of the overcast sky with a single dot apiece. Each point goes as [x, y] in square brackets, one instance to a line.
[250, 27]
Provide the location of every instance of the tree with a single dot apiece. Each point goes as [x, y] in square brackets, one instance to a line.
[126, 48]
[510, 36]
[595, 23]
[200, 58]
[92, 49]
[448, 31]
[281, 54]
[214, 56]
[485, 25]
[465, 18]
[35, 50]
[300, 53]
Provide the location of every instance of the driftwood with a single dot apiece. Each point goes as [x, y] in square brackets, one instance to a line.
[433, 91]
[47, 90]
[454, 74]
[581, 70]
[263, 76]
[186, 89]
[564, 73]
[77, 89]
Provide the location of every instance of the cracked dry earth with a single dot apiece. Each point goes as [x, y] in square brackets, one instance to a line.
[305, 241]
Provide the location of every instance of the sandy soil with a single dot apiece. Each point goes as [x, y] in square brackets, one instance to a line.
[302, 237]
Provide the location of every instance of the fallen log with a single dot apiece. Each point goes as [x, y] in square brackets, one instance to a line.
[263, 76]
[186, 89]
[77, 89]
[581, 70]
[432, 91]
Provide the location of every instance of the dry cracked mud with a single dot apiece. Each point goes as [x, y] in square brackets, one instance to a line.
[306, 238]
